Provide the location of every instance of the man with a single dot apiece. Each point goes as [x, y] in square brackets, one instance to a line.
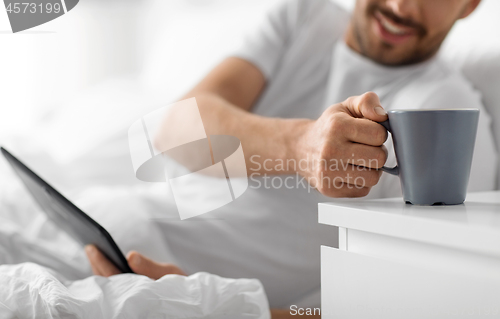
[309, 87]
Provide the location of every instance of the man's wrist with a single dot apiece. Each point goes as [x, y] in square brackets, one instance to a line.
[294, 140]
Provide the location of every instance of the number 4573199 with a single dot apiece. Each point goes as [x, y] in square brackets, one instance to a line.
[26, 7]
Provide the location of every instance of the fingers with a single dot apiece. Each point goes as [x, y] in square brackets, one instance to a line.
[363, 131]
[352, 175]
[357, 176]
[101, 266]
[349, 184]
[337, 156]
[144, 266]
[141, 265]
[347, 191]
[346, 135]
[350, 181]
[365, 156]
[366, 106]
[341, 124]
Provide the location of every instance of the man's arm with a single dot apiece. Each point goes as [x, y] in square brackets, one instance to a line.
[225, 97]
[328, 152]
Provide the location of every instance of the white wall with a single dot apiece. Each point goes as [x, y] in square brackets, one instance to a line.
[105, 58]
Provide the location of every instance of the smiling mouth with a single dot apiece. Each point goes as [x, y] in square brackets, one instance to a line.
[390, 25]
[392, 31]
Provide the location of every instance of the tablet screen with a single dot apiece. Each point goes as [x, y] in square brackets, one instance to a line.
[67, 216]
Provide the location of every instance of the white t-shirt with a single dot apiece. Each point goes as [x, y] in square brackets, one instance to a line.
[309, 67]
[272, 233]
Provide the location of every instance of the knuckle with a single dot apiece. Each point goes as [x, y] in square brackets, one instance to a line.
[363, 99]
[336, 123]
[332, 109]
[350, 100]
[369, 97]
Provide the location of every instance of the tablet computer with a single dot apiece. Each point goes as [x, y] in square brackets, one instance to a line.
[67, 216]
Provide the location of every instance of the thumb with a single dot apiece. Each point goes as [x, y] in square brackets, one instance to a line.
[144, 266]
[366, 106]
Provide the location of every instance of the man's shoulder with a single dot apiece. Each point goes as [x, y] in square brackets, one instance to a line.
[442, 73]
[450, 85]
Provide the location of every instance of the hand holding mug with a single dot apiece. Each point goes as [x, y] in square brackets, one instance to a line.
[344, 147]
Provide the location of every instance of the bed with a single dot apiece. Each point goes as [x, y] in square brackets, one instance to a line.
[44, 274]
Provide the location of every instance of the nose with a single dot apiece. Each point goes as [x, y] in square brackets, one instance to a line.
[406, 9]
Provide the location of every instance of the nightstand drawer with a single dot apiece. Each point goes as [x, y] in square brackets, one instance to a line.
[359, 286]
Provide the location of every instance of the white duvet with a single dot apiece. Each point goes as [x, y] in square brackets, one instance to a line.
[32, 291]
[44, 273]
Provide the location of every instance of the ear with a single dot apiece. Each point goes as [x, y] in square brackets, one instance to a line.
[471, 6]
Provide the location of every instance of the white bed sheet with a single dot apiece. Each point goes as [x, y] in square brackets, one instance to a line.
[45, 274]
[32, 291]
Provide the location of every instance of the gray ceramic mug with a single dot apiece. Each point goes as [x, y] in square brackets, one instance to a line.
[434, 151]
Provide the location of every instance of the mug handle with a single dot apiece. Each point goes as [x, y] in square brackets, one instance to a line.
[395, 169]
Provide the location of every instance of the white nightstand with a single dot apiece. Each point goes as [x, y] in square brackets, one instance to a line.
[404, 261]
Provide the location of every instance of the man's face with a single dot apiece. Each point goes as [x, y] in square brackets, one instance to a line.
[398, 32]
